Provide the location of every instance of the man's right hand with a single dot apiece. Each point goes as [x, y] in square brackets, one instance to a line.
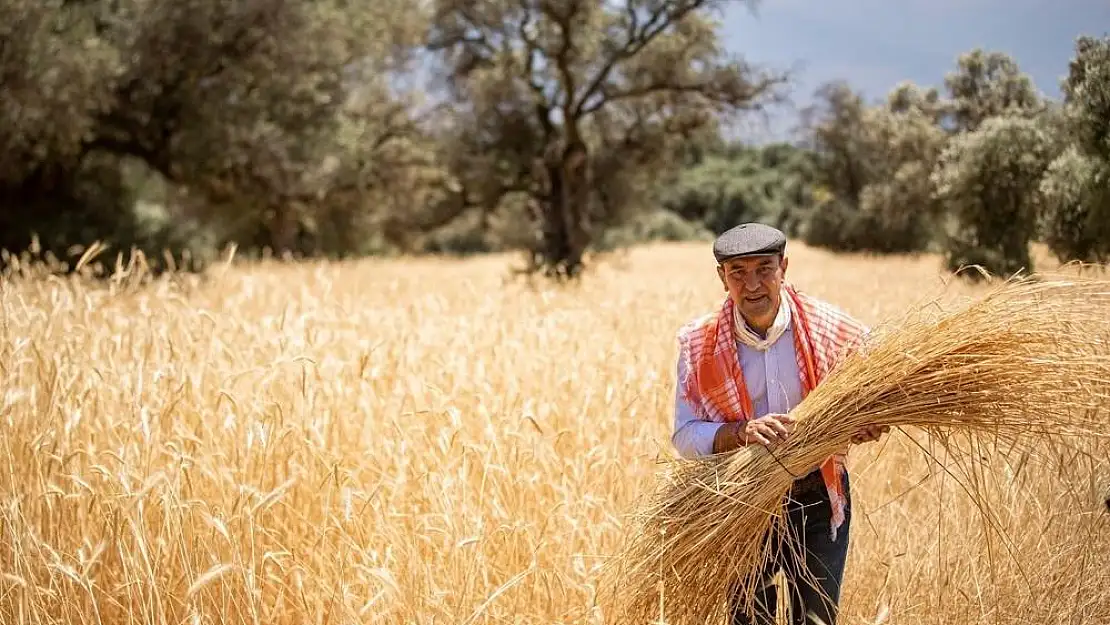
[768, 430]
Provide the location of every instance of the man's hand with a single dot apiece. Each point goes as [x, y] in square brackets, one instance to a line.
[869, 433]
[769, 431]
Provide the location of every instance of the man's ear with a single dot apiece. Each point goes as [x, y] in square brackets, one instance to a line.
[784, 262]
[721, 276]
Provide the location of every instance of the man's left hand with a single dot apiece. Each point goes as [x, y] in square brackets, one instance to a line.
[869, 433]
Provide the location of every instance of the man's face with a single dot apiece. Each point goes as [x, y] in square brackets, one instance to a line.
[753, 283]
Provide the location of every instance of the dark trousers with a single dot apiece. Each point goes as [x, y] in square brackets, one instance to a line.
[812, 562]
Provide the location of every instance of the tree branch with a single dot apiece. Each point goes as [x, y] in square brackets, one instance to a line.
[715, 93]
[562, 55]
[659, 21]
[466, 34]
[531, 51]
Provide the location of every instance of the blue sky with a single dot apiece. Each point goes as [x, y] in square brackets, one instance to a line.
[874, 44]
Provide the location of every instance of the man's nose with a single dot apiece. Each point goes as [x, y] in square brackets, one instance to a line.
[751, 283]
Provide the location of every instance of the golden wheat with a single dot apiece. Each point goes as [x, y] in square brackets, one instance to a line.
[418, 441]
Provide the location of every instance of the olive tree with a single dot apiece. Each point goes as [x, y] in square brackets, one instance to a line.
[575, 103]
[988, 182]
[1076, 188]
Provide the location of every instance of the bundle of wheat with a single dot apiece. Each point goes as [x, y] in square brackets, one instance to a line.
[1027, 361]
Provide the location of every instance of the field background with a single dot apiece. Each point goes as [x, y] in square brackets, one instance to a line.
[425, 441]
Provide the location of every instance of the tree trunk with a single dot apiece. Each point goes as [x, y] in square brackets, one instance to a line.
[283, 228]
[565, 232]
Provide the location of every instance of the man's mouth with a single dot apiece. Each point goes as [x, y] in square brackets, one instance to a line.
[755, 299]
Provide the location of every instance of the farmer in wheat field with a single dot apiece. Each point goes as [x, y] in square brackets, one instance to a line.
[741, 370]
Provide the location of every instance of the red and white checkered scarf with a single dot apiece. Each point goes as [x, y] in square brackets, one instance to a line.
[714, 385]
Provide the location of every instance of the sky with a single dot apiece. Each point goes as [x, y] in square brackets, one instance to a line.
[874, 44]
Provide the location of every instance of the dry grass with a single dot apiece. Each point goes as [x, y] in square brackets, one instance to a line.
[983, 378]
[388, 442]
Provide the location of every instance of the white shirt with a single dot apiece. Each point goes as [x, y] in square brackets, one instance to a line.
[773, 382]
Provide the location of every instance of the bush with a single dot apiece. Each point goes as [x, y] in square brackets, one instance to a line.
[762, 185]
[464, 236]
[97, 203]
[833, 224]
[657, 225]
[988, 181]
[1075, 219]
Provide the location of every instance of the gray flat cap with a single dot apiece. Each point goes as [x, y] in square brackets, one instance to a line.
[750, 239]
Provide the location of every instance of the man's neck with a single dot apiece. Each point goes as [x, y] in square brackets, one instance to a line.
[756, 335]
[760, 329]
[760, 332]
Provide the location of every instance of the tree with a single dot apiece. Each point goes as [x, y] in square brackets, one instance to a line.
[50, 92]
[878, 162]
[898, 204]
[574, 102]
[906, 97]
[243, 106]
[984, 85]
[873, 165]
[988, 182]
[837, 135]
[1075, 219]
[1076, 188]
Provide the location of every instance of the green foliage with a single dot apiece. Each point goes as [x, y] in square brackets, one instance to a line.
[899, 215]
[896, 207]
[988, 84]
[1087, 96]
[244, 110]
[771, 184]
[837, 134]
[647, 227]
[988, 181]
[1076, 219]
[879, 166]
[464, 236]
[837, 225]
[873, 165]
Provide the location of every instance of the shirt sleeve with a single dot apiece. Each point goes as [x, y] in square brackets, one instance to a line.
[692, 437]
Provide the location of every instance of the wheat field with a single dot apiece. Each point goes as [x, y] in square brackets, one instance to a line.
[426, 441]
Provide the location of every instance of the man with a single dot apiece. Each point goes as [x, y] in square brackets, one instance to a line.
[741, 370]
